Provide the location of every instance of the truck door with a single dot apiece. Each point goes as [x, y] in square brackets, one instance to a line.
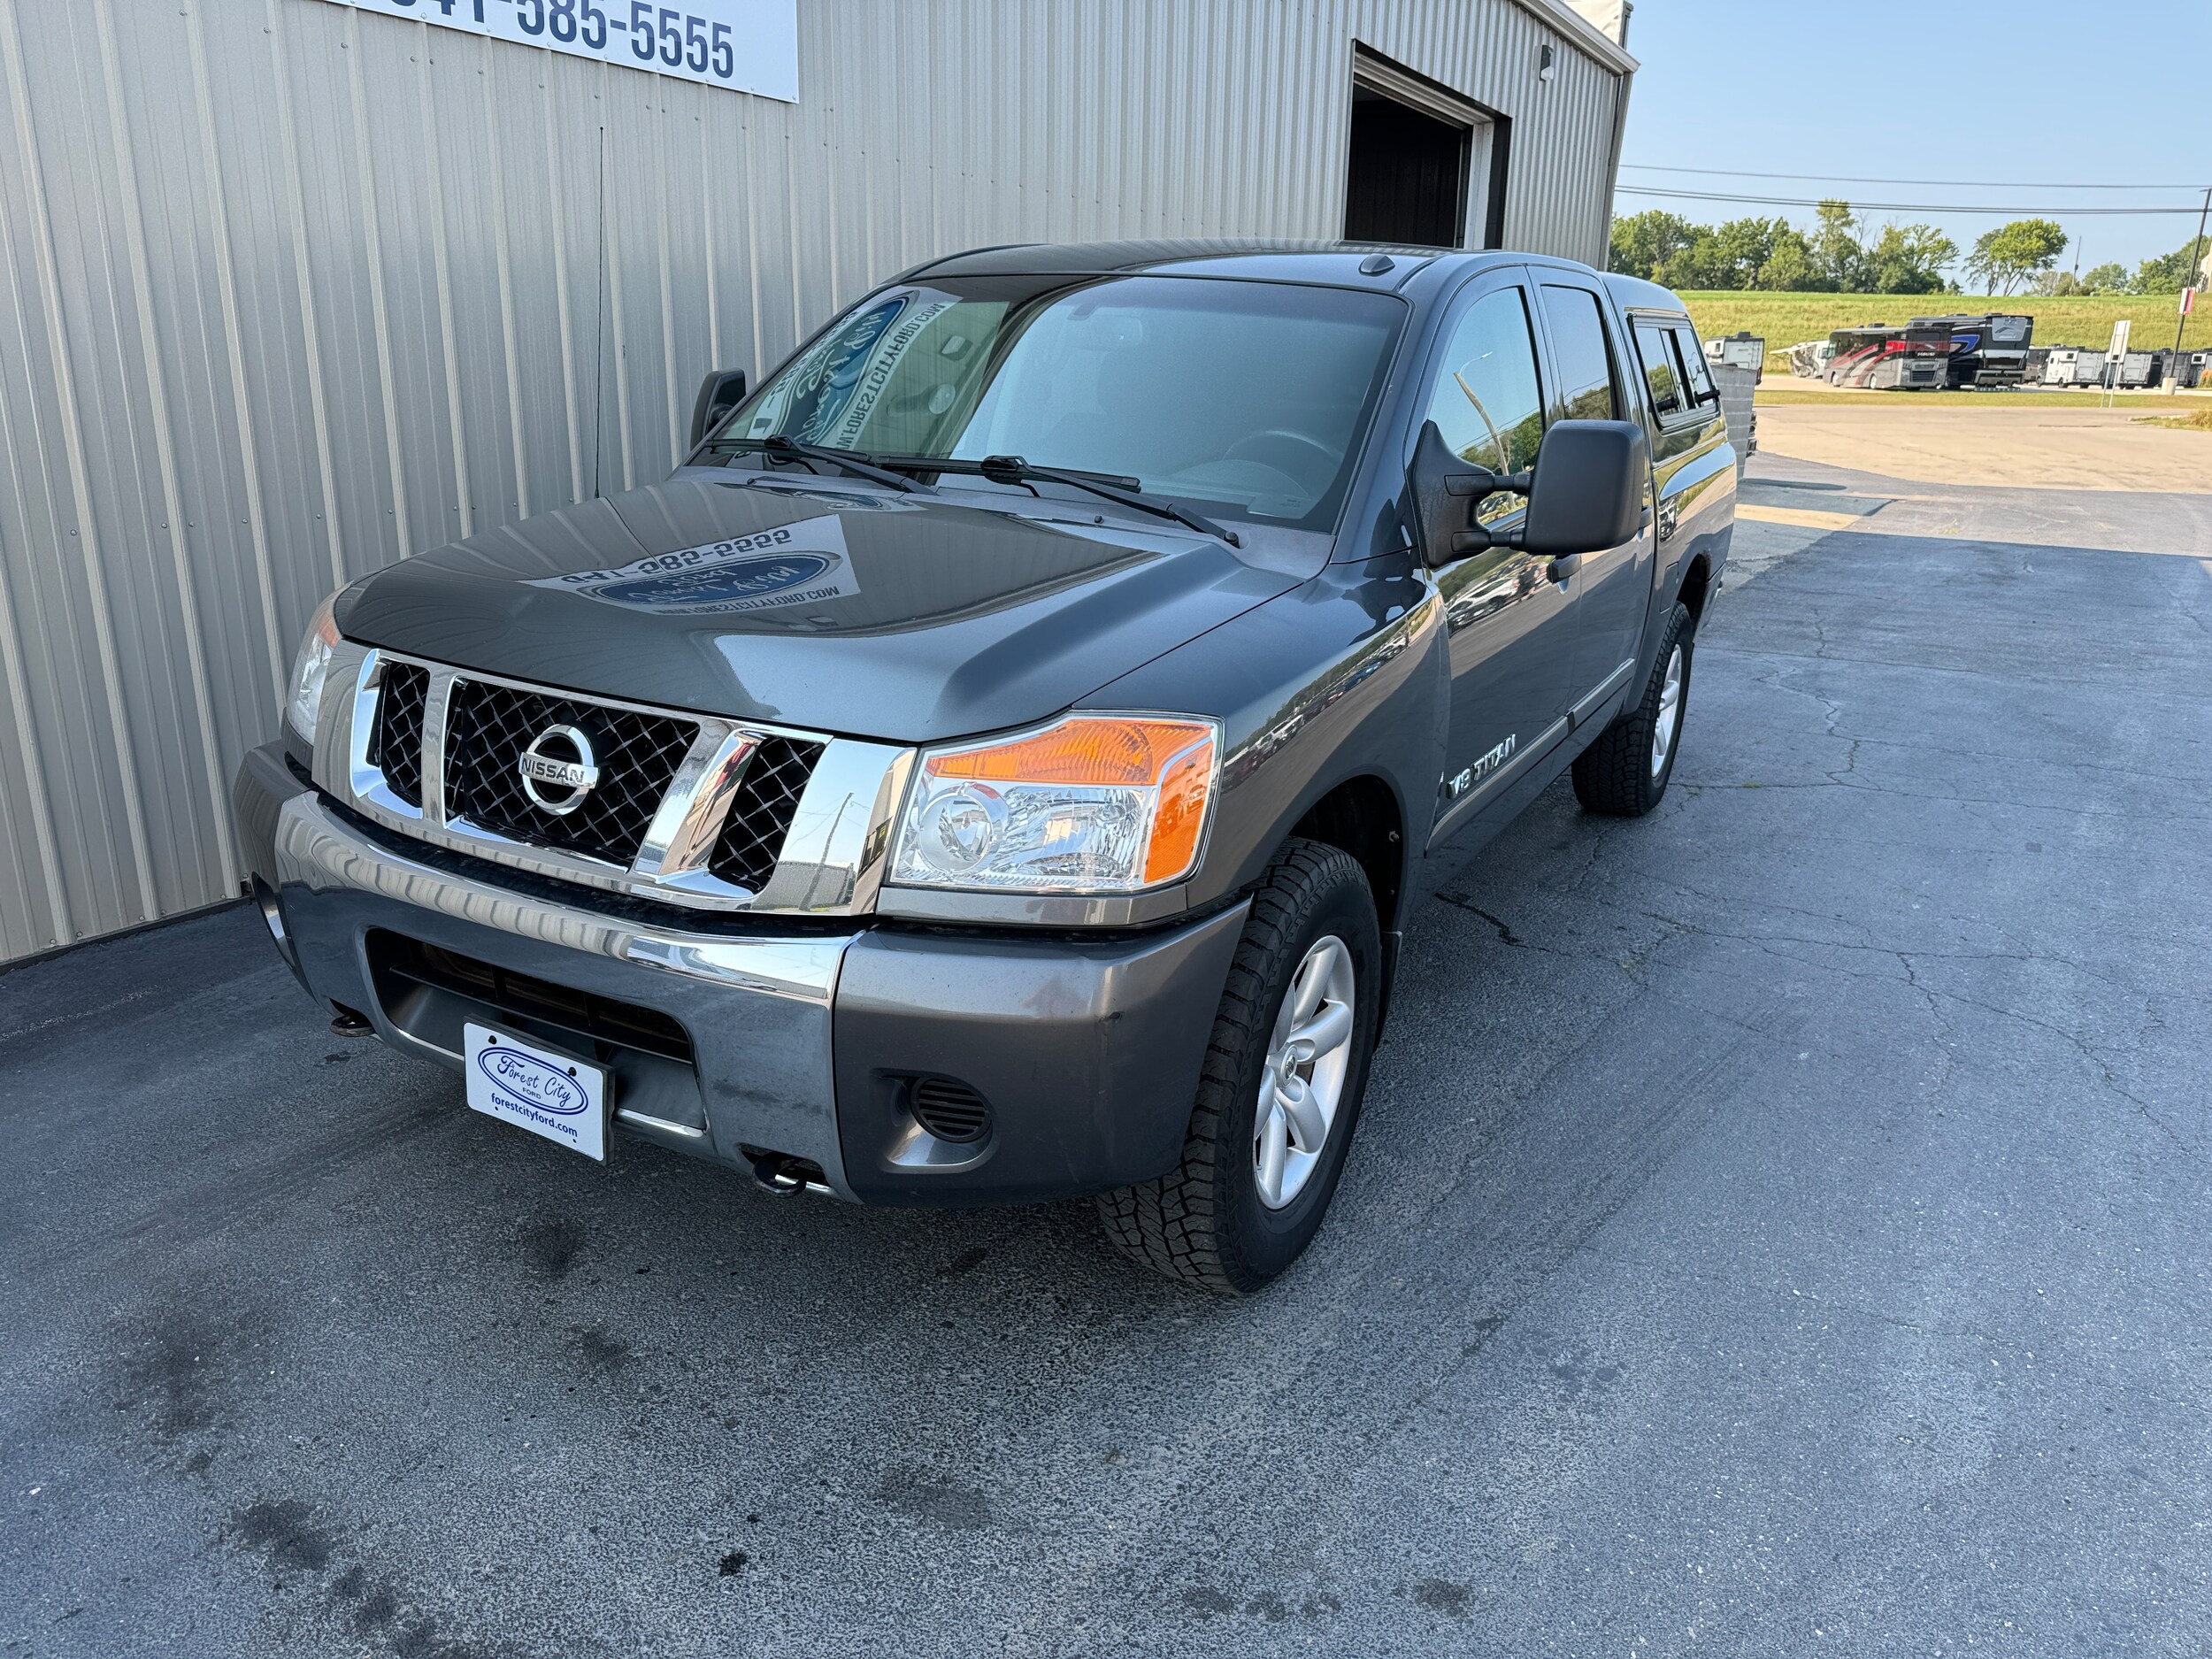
[1693, 464]
[1613, 585]
[1510, 628]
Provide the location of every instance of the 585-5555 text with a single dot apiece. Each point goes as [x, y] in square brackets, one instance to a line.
[658, 35]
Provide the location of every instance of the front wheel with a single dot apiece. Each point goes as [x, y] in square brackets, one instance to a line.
[1281, 1089]
[1625, 772]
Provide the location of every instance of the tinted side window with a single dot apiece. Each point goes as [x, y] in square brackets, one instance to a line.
[1581, 356]
[1693, 350]
[1485, 401]
[1660, 372]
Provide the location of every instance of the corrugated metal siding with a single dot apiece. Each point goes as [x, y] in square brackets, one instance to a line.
[288, 292]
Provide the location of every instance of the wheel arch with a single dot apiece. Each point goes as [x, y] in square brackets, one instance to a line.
[1697, 585]
[1361, 815]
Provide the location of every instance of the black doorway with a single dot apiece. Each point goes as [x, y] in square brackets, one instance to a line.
[1407, 182]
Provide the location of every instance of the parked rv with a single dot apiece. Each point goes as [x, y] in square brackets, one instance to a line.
[2073, 366]
[1880, 357]
[1986, 350]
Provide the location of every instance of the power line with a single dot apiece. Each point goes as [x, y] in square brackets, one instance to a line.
[1894, 207]
[1842, 178]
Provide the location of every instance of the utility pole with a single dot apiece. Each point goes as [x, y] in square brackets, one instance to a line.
[2188, 281]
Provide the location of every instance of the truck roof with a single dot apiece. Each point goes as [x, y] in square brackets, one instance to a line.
[1282, 259]
[1635, 294]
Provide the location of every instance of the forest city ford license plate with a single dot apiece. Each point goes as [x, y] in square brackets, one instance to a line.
[552, 1094]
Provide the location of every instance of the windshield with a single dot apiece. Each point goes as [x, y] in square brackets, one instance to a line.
[1248, 398]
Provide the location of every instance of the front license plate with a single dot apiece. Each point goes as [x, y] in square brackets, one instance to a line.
[552, 1094]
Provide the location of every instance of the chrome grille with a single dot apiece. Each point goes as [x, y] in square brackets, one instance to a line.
[395, 748]
[489, 725]
[761, 811]
[683, 809]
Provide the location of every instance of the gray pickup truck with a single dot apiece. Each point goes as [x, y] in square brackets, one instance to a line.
[998, 763]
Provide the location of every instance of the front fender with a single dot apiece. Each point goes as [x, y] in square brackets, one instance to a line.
[1344, 677]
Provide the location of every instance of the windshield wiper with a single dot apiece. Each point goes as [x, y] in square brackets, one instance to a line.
[1012, 469]
[777, 447]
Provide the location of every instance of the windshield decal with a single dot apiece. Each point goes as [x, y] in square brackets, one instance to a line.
[792, 564]
[827, 398]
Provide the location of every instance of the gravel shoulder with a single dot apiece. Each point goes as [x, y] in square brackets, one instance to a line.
[2014, 448]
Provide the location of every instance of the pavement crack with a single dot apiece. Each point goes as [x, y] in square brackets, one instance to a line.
[1506, 935]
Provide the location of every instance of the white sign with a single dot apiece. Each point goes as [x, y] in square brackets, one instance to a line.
[2118, 348]
[746, 45]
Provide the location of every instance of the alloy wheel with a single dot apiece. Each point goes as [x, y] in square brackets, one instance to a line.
[1303, 1079]
[1663, 729]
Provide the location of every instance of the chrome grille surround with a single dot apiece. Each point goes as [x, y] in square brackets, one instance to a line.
[752, 819]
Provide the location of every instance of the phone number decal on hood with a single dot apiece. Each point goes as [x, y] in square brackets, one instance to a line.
[794, 564]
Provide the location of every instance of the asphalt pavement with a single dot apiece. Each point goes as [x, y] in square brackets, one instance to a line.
[1778, 1225]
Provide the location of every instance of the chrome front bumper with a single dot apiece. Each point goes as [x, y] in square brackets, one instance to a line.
[799, 1038]
[758, 1008]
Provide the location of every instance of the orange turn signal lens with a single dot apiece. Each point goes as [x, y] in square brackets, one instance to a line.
[1131, 753]
[1180, 816]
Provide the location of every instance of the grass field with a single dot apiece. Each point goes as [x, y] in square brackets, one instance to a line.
[2202, 421]
[1783, 320]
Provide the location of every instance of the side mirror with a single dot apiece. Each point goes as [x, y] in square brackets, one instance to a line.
[1591, 478]
[1446, 490]
[1585, 493]
[722, 391]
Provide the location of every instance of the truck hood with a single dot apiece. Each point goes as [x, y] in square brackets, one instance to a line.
[906, 618]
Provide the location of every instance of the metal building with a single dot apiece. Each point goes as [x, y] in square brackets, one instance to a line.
[293, 289]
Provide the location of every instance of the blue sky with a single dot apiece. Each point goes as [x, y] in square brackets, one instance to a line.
[1947, 89]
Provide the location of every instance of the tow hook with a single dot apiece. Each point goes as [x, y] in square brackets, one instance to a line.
[783, 1175]
[345, 1022]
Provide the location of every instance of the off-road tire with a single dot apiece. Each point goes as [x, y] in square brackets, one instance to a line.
[1203, 1222]
[1614, 775]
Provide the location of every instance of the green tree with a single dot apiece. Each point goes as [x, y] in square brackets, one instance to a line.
[1909, 259]
[2004, 258]
[1745, 245]
[2169, 274]
[2109, 278]
[1728, 256]
[1696, 264]
[1837, 258]
[1643, 243]
[1789, 269]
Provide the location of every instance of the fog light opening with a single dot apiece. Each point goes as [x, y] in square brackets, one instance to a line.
[951, 1110]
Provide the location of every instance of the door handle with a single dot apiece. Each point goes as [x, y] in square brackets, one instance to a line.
[1563, 567]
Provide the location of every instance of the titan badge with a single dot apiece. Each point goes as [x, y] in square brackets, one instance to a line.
[1468, 777]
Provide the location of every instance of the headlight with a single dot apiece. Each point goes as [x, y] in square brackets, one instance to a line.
[308, 669]
[1093, 804]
